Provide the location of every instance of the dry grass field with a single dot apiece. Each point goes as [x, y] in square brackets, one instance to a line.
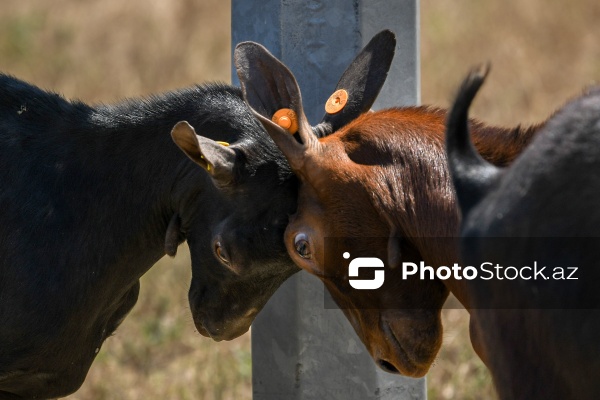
[542, 52]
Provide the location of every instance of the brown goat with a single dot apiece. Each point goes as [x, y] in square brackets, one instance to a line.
[384, 175]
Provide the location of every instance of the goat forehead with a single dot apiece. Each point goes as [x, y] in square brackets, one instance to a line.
[392, 126]
[351, 198]
[337, 214]
[268, 202]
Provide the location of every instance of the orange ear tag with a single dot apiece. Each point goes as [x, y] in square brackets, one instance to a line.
[336, 102]
[287, 119]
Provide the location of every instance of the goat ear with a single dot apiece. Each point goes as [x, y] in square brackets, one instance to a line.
[471, 174]
[268, 86]
[173, 236]
[362, 81]
[218, 160]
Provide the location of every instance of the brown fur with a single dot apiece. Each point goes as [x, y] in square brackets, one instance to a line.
[385, 174]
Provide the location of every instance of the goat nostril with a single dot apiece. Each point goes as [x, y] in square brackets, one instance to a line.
[251, 313]
[387, 366]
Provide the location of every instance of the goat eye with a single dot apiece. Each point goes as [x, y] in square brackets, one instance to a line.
[302, 246]
[221, 253]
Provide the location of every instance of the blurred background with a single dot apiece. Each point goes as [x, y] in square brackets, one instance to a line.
[542, 52]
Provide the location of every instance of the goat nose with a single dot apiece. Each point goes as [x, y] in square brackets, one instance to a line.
[387, 366]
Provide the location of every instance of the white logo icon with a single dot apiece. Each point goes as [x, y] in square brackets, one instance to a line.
[365, 262]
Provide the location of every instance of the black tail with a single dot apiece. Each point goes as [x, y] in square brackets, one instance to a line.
[471, 174]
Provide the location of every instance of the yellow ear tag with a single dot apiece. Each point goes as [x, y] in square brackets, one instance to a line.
[336, 102]
[208, 166]
[287, 119]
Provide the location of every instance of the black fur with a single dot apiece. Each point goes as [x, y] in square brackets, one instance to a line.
[87, 194]
[540, 337]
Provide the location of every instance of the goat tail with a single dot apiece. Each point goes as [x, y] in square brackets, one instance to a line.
[471, 174]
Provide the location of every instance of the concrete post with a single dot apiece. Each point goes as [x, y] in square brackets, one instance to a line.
[301, 349]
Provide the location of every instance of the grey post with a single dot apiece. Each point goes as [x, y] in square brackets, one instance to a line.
[301, 349]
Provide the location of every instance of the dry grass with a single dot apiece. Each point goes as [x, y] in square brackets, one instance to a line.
[543, 51]
[157, 353]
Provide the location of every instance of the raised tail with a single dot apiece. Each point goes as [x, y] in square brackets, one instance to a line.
[471, 174]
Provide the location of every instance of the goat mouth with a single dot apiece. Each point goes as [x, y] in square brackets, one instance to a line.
[202, 330]
[387, 366]
[407, 366]
[222, 332]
